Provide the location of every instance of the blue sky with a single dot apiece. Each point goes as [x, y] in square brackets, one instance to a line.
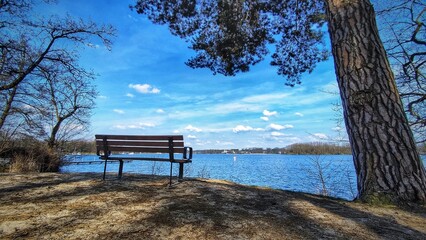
[145, 88]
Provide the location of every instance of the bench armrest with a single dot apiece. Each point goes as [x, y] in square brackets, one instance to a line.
[187, 155]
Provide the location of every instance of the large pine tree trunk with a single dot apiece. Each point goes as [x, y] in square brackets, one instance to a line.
[387, 163]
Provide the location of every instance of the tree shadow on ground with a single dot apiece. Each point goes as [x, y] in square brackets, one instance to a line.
[220, 207]
[140, 206]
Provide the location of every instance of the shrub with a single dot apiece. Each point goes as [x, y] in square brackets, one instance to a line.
[30, 155]
[35, 159]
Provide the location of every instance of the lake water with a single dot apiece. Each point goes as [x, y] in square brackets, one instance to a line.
[287, 172]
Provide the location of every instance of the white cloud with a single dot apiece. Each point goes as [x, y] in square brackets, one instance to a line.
[331, 88]
[191, 136]
[147, 124]
[264, 118]
[144, 88]
[337, 129]
[320, 135]
[241, 128]
[267, 98]
[119, 111]
[299, 114]
[176, 131]
[192, 128]
[161, 111]
[102, 97]
[120, 126]
[130, 95]
[278, 134]
[141, 125]
[231, 107]
[268, 113]
[225, 143]
[135, 126]
[279, 127]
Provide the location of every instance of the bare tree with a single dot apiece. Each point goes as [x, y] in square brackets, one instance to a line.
[403, 30]
[66, 100]
[41, 81]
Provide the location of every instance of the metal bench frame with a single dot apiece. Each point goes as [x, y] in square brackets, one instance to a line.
[171, 144]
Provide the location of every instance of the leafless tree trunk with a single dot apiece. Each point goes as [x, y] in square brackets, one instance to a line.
[9, 96]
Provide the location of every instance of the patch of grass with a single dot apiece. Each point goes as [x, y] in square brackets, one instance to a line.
[382, 200]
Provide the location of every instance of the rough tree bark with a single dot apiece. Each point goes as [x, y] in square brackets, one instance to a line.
[387, 163]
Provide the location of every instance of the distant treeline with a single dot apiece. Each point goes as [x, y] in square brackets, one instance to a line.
[79, 147]
[315, 148]
[318, 148]
[298, 148]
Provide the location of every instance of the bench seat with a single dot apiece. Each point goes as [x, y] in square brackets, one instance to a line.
[112, 148]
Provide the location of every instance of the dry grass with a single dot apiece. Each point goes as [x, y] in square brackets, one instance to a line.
[81, 206]
[29, 156]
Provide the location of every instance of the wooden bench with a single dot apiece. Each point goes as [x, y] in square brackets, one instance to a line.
[118, 148]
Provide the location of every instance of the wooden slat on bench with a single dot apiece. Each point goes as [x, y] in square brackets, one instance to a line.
[143, 149]
[145, 137]
[143, 159]
[139, 143]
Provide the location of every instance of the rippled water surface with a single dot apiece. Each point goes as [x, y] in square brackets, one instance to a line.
[331, 174]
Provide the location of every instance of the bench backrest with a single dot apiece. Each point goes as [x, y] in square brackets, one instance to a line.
[139, 144]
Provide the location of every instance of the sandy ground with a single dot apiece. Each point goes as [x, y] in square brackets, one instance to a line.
[82, 206]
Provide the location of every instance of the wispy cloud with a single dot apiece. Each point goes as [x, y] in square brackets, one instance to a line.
[242, 128]
[264, 118]
[232, 107]
[160, 111]
[132, 18]
[321, 136]
[278, 134]
[225, 143]
[135, 126]
[119, 111]
[144, 88]
[278, 127]
[191, 137]
[192, 128]
[276, 97]
[130, 95]
[299, 114]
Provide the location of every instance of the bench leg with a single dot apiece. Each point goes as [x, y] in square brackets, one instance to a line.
[105, 168]
[171, 172]
[180, 171]
[120, 169]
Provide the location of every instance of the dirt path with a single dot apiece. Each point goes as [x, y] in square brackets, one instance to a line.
[81, 206]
